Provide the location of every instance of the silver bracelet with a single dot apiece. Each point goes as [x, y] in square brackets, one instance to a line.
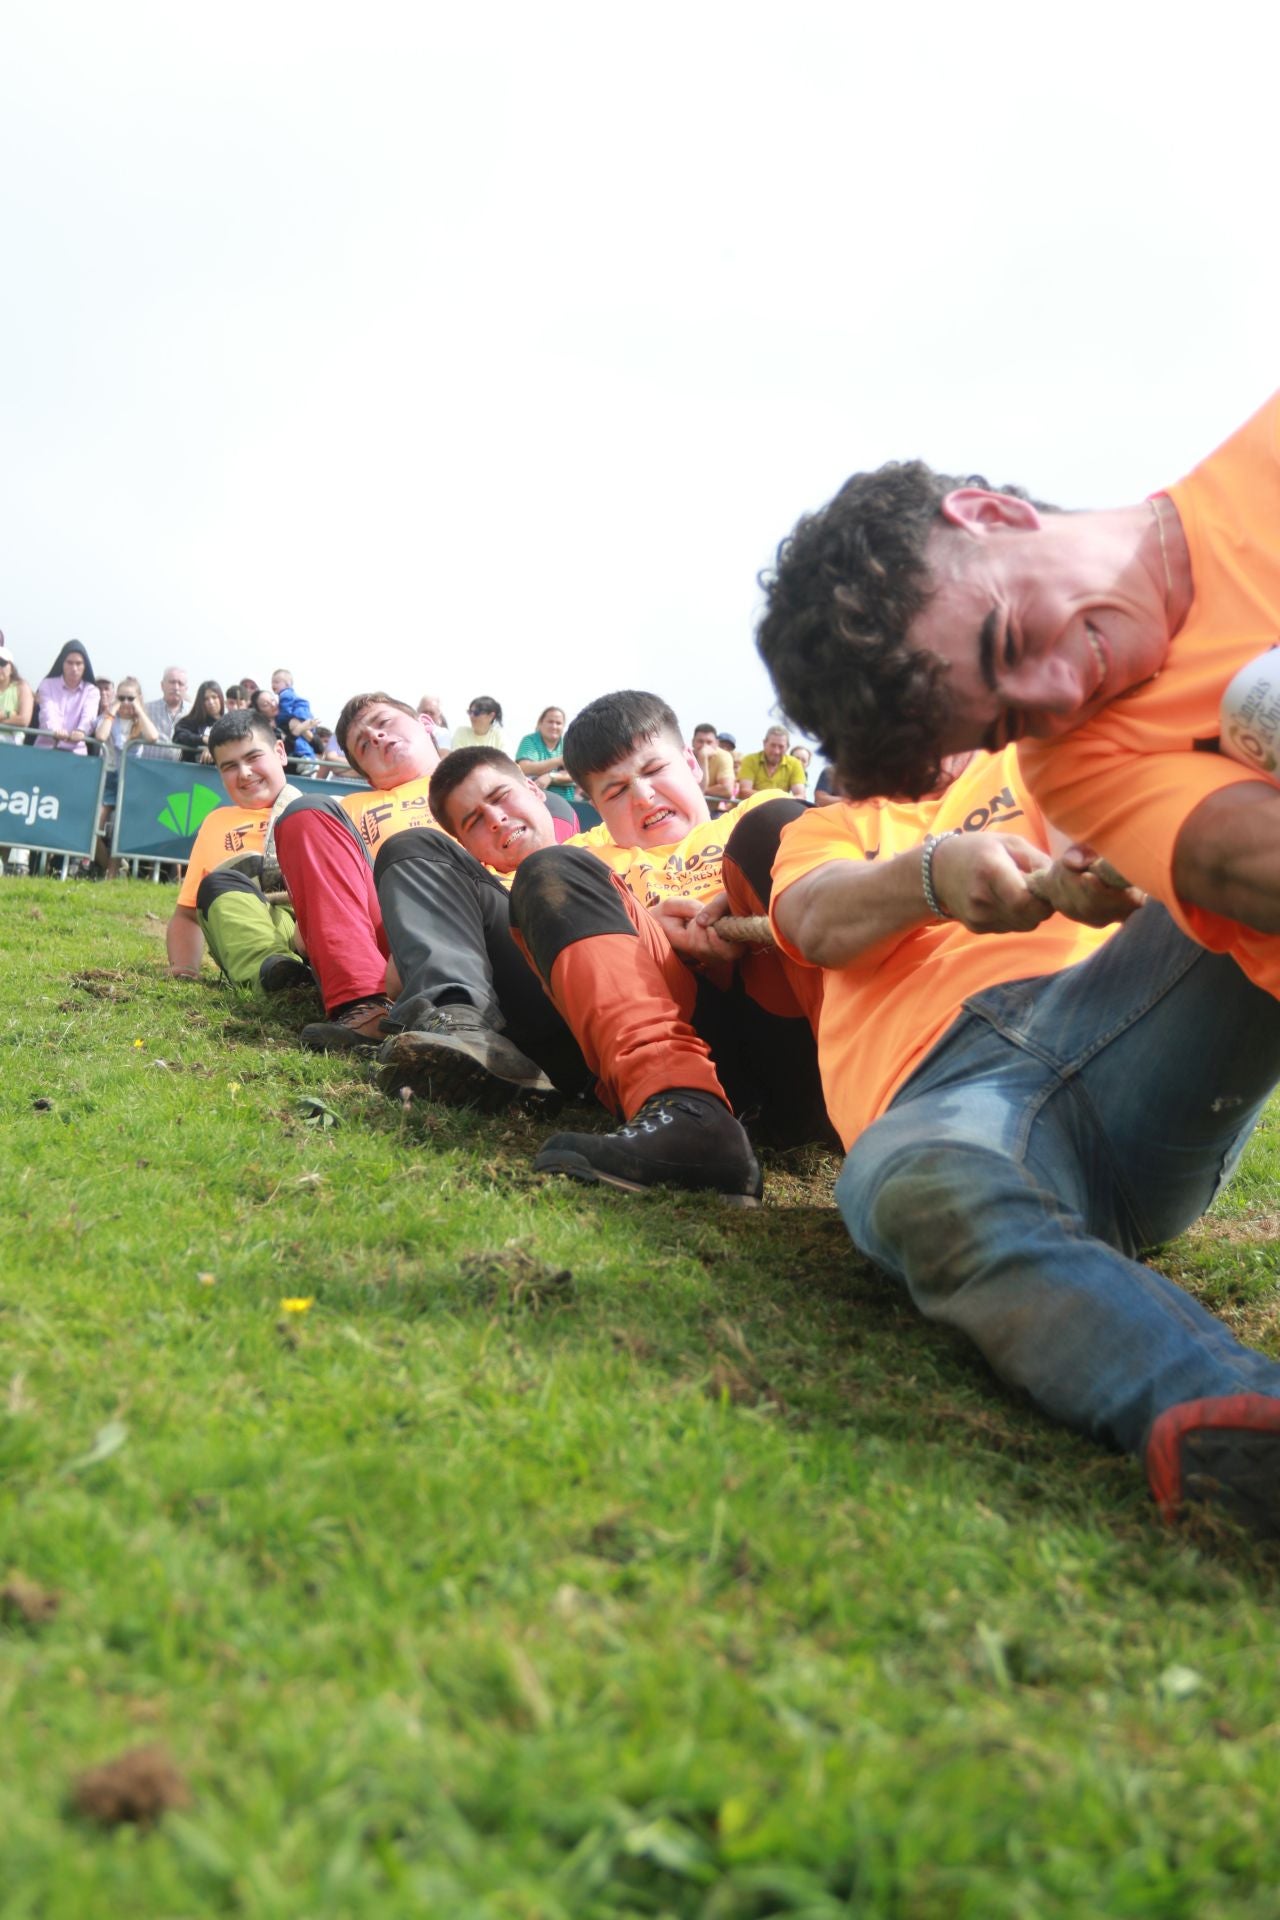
[932, 841]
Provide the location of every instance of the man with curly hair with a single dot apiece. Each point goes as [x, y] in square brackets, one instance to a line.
[918, 614]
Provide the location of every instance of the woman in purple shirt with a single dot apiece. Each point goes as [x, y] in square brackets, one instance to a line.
[67, 701]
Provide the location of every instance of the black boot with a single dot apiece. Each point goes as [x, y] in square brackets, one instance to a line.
[681, 1138]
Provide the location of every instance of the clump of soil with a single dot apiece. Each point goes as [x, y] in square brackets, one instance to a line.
[511, 1278]
[24, 1600]
[137, 1786]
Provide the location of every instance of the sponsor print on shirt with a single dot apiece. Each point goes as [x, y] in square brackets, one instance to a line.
[411, 811]
[679, 877]
[1000, 806]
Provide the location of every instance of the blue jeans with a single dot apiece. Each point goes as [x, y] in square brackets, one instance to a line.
[1059, 1127]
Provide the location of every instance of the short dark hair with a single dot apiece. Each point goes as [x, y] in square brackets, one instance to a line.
[356, 706]
[238, 725]
[704, 726]
[846, 585]
[611, 726]
[456, 766]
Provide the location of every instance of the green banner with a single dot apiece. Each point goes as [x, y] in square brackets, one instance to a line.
[49, 801]
[162, 804]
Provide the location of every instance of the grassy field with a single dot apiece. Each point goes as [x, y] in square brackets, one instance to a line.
[572, 1554]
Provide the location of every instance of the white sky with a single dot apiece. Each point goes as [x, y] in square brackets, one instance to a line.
[493, 349]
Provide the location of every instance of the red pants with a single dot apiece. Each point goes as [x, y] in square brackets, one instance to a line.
[331, 888]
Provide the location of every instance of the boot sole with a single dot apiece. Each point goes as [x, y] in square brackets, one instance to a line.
[440, 1067]
[355, 1043]
[590, 1176]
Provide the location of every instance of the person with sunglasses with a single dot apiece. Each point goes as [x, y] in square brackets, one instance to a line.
[485, 730]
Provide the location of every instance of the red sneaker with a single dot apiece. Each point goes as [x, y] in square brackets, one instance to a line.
[1222, 1454]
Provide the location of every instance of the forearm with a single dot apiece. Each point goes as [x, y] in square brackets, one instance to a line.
[184, 943]
[1227, 856]
[840, 911]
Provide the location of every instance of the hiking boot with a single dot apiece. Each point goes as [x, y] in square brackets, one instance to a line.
[352, 1027]
[456, 1056]
[681, 1138]
[280, 972]
[1223, 1454]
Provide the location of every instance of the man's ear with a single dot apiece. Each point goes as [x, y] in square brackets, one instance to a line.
[974, 510]
[281, 752]
[691, 762]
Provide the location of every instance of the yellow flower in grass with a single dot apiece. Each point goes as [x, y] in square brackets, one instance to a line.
[298, 1305]
[139, 1043]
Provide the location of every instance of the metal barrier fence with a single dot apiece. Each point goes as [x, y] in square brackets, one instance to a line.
[50, 801]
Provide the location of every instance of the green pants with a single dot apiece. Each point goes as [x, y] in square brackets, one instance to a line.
[241, 927]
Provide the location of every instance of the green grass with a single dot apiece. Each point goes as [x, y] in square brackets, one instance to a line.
[575, 1554]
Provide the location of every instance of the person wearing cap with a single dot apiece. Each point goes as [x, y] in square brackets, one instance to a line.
[17, 701]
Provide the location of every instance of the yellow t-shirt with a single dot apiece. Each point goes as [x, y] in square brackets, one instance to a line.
[223, 833]
[787, 774]
[376, 816]
[1126, 782]
[883, 1012]
[689, 869]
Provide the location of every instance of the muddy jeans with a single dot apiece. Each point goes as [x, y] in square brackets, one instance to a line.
[1058, 1128]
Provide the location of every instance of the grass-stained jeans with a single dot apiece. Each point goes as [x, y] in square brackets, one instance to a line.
[1058, 1128]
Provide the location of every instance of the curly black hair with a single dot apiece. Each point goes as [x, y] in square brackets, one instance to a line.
[847, 584]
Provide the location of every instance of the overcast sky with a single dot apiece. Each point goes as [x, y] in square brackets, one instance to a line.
[493, 349]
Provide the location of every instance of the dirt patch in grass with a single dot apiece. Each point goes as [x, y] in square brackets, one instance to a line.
[514, 1281]
[1244, 1230]
[100, 983]
[136, 1787]
[26, 1601]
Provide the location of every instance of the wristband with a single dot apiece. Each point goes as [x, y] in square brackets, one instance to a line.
[932, 841]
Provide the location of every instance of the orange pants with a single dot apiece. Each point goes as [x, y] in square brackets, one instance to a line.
[645, 1020]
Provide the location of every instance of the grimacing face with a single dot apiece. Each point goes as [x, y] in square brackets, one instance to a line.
[499, 817]
[651, 796]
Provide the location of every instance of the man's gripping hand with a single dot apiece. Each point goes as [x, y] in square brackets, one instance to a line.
[1075, 884]
[690, 927]
[982, 881]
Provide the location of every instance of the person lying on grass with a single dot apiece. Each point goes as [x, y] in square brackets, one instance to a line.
[405, 930]
[220, 900]
[678, 1027]
[1027, 1103]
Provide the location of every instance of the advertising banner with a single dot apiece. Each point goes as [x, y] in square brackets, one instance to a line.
[49, 801]
[163, 803]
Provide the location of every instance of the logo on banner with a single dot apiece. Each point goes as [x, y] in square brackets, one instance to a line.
[29, 806]
[182, 813]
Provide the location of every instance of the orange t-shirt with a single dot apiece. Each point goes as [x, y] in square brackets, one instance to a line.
[1128, 780]
[223, 833]
[689, 869]
[376, 816]
[883, 1012]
